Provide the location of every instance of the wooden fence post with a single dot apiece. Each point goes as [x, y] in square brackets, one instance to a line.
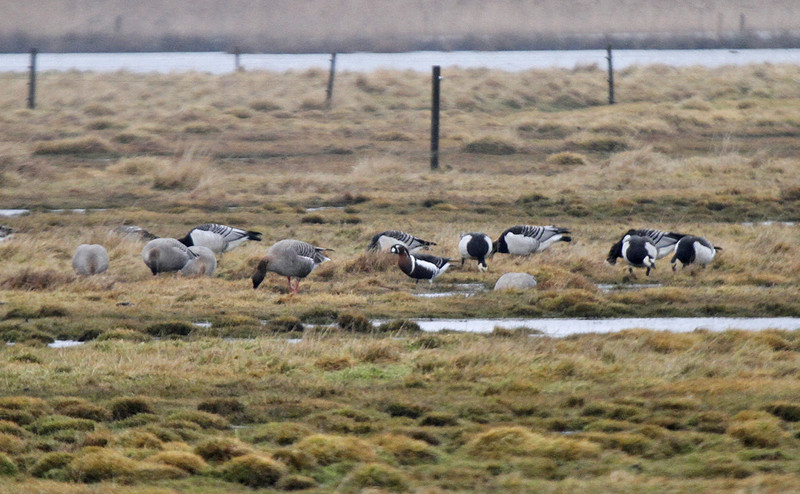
[331, 74]
[32, 80]
[610, 76]
[435, 118]
[236, 59]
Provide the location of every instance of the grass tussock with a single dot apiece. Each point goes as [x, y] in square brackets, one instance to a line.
[186, 174]
[506, 442]
[88, 145]
[253, 470]
[221, 449]
[35, 279]
[125, 407]
[567, 159]
[98, 466]
[408, 451]
[280, 433]
[757, 432]
[187, 461]
[328, 449]
[376, 476]
[490, 145]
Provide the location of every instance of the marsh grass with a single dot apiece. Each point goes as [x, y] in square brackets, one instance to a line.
[691, 426]
[153, 400]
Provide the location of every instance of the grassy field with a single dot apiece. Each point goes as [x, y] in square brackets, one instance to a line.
[154, 402]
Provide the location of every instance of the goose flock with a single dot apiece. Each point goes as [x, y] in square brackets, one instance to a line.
[195, 254]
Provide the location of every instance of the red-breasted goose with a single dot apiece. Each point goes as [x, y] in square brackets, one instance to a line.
[420, 266]
[385, 240]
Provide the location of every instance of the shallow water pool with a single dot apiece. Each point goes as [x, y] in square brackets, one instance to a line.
[567, 327]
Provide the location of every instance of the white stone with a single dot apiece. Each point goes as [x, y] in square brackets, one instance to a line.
[515, 281]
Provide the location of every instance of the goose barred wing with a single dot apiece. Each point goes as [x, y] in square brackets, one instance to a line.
[660, 238]
[406, 239]
[437, 261]
[538, 232]
[664, 241]
[229, 233]
[305, 249]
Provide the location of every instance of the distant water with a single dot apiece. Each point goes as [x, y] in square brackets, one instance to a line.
[223, 63]
[566, 327]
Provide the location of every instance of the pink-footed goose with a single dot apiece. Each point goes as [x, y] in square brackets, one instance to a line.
[290, 258]
[203, 265]
[90, 259]
[163, 255]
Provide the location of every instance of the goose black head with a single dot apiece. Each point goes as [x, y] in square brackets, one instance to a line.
[399, 249]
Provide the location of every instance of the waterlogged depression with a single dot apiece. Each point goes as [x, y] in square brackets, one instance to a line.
[567, 327]
[559, 328]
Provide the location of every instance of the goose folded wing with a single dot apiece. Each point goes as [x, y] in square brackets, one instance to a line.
[436, 261]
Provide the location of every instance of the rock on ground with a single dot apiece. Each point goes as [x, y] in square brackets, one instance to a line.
[515, 281]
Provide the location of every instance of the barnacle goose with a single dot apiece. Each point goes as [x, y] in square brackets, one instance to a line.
[218, 238]
[663, 241]
[639, 252]
[476, 246]
[523, 240]
[693, 250]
